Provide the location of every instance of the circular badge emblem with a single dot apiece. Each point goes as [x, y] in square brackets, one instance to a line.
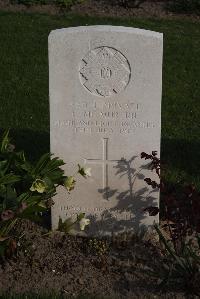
[104, 72]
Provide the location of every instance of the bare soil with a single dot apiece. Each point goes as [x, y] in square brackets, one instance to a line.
[71, 266]
[101, 8]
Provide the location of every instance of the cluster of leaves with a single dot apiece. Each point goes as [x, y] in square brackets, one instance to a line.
[180, 213]
[184, 6]
[26, 190]
[128, 3]
[182, 267]
[180, 208]
[154, 165]
[64, 3]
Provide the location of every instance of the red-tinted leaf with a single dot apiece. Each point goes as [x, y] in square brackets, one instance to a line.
[154, 153]
[7, 215]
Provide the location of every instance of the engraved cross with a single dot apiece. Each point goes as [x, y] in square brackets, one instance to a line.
[104, 162]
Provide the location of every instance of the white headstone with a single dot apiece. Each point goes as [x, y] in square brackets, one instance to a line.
[105, 109]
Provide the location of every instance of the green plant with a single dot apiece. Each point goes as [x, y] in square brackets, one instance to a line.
[184, 6]
[179, 207]
[26, 190]
[182, 268]
[181, 263]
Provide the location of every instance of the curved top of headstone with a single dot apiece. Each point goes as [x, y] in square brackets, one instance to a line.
[107, 28]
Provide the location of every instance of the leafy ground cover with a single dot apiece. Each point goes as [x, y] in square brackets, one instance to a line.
[24, 85]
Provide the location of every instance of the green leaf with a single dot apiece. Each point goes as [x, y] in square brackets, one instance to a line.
[54, 164]
[10, 197]
[53, 171]
[9, 179]
[21, 156]
[42, 204]
[5, 141]
[27, 167]
[41, 164]
[23, 197]
[3, 167]
[32, 200]
[81, 170]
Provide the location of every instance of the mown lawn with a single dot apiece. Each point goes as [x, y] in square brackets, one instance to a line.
[24, 85]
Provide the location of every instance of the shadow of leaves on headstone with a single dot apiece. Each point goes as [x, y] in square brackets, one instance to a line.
[130, 202]
[107, 192]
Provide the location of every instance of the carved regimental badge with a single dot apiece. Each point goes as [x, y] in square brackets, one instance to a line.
[104, 71]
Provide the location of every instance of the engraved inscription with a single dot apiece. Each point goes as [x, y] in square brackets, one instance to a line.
[104, 71]
[106, 118]
[98, 212]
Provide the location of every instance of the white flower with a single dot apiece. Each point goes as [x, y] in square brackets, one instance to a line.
[88, 172]
[85, 172]
[83, 223]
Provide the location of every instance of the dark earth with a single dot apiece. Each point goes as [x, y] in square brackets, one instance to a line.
[70, 266]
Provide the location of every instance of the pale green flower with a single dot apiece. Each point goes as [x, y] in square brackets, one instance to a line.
[39, 186]
[83, 223]
[69, 183]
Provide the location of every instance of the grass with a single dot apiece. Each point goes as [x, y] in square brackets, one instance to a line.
[24, 85]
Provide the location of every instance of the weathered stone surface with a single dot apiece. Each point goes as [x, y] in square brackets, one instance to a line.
[105, 109]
